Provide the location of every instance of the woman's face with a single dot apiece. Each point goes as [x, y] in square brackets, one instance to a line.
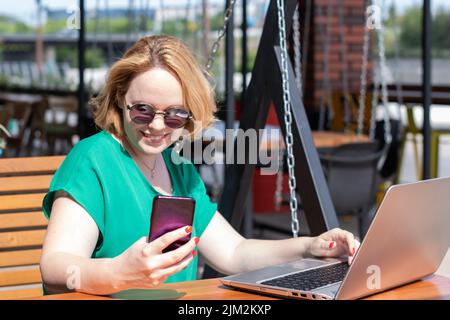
[160, 89]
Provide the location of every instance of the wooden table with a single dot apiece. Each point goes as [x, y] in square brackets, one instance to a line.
[330, 139]
[433, 287]
[322, 139]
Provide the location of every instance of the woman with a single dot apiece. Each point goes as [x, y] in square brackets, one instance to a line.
[100, 198]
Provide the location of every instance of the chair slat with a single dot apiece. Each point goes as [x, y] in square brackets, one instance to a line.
[22, 220]
[18, 239]
[20, 277]
[21, 294]
[23, 184]
[20, 258]
[22, 202]
[30, 165]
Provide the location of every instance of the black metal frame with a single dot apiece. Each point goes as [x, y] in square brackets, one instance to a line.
[426, 90]
[265, 86]
[82, 111]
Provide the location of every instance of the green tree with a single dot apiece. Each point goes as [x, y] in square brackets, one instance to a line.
[10, 25]
[441, 27]
[411, 28]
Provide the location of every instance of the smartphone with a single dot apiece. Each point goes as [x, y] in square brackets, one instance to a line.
[170, 213]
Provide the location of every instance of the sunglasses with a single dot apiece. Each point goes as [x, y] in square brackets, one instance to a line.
[174, 118]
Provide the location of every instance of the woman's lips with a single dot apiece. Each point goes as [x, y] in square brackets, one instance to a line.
[154, 138]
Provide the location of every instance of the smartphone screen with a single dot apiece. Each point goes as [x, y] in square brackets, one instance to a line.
[170, 213]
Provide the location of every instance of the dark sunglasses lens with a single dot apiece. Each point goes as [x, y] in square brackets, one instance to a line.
[176, 118]
[142, 114]
[175, 122]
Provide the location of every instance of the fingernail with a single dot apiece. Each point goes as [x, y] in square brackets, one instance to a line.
[194, 253]
[353, 251]
[188, 229]
[332, 244]
[196, 240]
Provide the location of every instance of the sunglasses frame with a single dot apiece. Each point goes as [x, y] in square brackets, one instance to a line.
[164, 113]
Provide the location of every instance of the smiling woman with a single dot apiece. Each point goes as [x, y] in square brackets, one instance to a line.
[176, 64]
[100, 199]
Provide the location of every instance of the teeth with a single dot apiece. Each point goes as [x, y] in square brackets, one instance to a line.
[152, 137]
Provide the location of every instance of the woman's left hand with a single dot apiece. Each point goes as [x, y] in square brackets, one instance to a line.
[334, 243]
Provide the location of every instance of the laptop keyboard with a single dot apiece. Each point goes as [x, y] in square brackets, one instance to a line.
[311, 279]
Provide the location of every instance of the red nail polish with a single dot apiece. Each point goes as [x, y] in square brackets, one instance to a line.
[331, 246]
[188, 229]
[196, 240]
[194, 253]
[353, 251]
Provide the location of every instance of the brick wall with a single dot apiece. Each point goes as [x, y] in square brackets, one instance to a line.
[353, 19]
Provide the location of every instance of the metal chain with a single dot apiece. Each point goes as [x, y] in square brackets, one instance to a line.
[288, 117]
[222, 32]
[325, 101]
[297, 52]
[375, 99]
[306, 33]
[345, 82]
[363, 78]
[278, 197]
[384, 92]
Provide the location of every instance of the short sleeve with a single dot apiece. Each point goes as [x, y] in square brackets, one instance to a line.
[79, 177]
[204, 207]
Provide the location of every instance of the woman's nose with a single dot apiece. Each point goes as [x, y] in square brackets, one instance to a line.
[157, 123]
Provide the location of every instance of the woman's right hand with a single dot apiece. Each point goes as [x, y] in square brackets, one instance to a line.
[143, 265]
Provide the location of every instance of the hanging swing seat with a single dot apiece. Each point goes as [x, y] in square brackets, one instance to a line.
[352, 175]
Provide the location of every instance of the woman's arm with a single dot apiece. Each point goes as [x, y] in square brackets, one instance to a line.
[66, 261]
[229, 253]
[66, 256]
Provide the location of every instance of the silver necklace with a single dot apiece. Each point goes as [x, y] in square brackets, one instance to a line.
[152, 170]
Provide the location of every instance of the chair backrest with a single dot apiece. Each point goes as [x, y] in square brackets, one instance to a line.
[18, 111]
[338, 123]
[23, 184]
[390, 167]
[351, 172]
[60, 108]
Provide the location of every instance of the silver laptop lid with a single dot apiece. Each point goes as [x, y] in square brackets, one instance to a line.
[407, 239]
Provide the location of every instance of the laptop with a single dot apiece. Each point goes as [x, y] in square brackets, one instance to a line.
[406, 241]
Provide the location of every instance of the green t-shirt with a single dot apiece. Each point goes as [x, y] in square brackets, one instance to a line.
[104, 179]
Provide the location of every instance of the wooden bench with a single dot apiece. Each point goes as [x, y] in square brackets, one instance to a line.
[23, 184]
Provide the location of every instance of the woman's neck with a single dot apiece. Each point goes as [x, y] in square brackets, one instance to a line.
[148, 159]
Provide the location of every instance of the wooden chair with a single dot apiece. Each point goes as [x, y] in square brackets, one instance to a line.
[23, 184]
[20, 112]
[338, 123]
[415, 131]
[52, 120]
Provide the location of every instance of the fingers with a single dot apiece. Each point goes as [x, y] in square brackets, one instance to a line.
[336, 242]
[324, 248]
[350, 258]
[173, 257]
[162, 266]
[157, 267]
[167, 272]
[348, 240]
[158, 245]
[349, 243]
